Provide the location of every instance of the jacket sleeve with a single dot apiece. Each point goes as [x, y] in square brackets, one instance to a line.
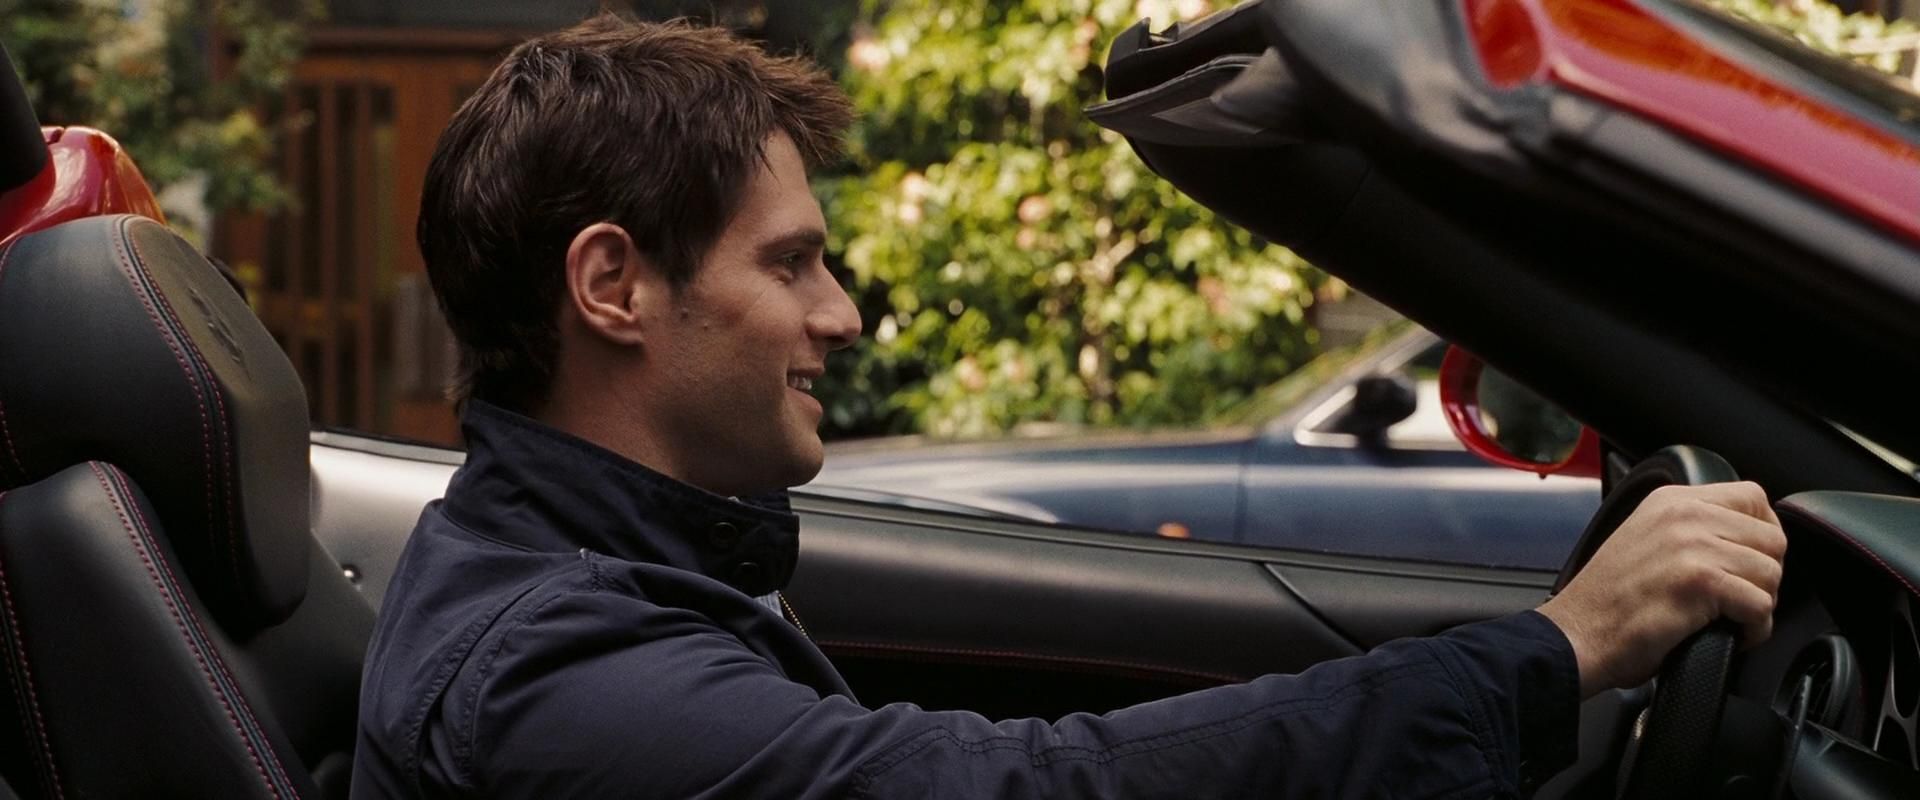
[561, 706]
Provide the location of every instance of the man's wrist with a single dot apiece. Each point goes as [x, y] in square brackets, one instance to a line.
[1586, 651]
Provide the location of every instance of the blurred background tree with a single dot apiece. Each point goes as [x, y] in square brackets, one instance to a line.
[1017, 264]
[1890, 46]
[143, 71]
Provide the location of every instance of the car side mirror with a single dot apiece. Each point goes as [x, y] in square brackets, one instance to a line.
[1379, 402]
[1510, 425]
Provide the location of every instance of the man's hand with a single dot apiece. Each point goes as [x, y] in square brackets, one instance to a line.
[1687, 556]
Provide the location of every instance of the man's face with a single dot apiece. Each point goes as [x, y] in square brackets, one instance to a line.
[732, 355]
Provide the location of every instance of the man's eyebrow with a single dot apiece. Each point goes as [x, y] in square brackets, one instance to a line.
[798, 237]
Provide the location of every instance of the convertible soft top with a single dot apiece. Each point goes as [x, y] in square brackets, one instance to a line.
[1599, 163]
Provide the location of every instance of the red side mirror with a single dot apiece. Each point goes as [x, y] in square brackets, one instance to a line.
[87, 174]
[1511, 426]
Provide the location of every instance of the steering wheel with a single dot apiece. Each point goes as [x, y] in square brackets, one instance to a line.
[1675, 733]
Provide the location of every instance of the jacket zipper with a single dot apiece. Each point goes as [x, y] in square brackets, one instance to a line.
[792, 617]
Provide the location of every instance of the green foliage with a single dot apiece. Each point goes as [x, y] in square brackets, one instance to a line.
[142, 72]
[1889, 46]
[1017, 263]
[49, 41]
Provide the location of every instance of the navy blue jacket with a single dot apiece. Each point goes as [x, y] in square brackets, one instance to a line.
[566, 623]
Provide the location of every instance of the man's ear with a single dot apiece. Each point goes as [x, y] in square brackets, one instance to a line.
[607, 282]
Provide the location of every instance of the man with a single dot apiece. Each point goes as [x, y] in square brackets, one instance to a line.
[619, 228]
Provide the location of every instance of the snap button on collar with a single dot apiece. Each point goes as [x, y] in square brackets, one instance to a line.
[724, 535]
[748, 574]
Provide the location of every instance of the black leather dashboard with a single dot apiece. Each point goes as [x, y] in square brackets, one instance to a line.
[1883, 530]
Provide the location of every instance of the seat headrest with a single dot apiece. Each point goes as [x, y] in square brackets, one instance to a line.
[120, 343]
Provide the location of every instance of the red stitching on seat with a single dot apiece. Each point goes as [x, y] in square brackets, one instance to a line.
[122, 254]
[141, 547]
[146, 529]
[20, 698]
[226, 452]
[227, 490]
[4, 432]
[220, 403]
[30, 699]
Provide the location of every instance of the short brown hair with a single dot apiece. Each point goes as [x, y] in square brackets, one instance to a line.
[655, 127]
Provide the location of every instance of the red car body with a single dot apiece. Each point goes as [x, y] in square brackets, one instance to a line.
[87, 174]
[1618, 52]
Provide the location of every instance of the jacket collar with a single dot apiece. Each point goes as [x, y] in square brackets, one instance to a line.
[534, 487]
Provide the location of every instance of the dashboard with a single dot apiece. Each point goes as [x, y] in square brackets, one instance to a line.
[1841, 677]
[1893, 728]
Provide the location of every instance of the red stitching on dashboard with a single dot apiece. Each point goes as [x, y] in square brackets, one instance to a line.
[141, 546]
[123, 254]
[5, 433]
[220, 403]
[1808, 515]
[25, 673]
[1078, 661]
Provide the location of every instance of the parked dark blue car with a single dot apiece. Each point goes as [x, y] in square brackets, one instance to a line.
[1349, 455]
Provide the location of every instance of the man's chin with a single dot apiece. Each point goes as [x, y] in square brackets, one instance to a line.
[807, 464]
[800, 464]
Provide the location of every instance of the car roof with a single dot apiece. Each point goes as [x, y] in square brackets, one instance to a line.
[1660, 289]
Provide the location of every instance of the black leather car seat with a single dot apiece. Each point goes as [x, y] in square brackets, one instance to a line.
[169, 625]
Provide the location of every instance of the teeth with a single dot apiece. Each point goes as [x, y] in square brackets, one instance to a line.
[797, 382]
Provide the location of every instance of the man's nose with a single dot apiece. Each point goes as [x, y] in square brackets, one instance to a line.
[835, 320]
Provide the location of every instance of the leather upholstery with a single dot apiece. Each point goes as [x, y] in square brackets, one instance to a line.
[171, 627]
[123, 345]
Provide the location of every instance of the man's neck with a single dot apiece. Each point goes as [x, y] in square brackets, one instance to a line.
[606, 423]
